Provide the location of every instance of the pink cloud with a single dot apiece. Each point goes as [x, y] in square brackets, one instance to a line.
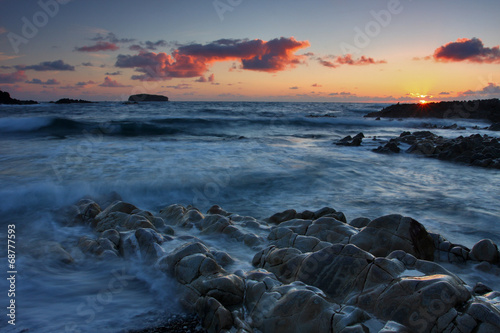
[348, 60]
[472, 50]
[18, 76]
[193, 60]
[99, 46]
[111, 83]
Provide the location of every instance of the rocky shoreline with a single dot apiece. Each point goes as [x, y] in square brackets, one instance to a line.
[488, 109]
[477, 150]
[313, 271]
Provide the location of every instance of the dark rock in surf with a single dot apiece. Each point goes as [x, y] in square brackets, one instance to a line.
[147, 98]
[349, 141]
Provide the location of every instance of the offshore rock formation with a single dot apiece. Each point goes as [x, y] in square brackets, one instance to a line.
[478, 109]
[147, 98]
[6, 99]
[71, 101]
[476, 150]
[312, 271]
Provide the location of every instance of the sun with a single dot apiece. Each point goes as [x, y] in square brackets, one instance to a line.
[423, 101]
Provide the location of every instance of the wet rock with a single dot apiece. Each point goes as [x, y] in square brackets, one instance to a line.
[351, 141]
[390, 147]
[395, 232]
[146, 239]
[283, 216]
[113, 235]
[360, 222]
[172, 214]
[215, 317]
[485, 250]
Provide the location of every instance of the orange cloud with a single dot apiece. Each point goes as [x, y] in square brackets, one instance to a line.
[193, 60]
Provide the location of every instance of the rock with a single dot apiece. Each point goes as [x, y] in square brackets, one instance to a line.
[147, 98]
[494, 127]
[173, 214]
[360, 222]
[215, 317]
[481, 289]
[485, 250]
[484, 109]
[6, 99]
[323, 212]
[71, 101]
[390, 147]
[146, 239]
[395, 232]
[283, 216]
[349, 141]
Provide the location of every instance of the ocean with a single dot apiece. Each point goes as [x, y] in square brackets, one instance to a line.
[251, 158]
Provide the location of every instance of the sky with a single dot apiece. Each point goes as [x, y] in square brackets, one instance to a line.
[241, 50]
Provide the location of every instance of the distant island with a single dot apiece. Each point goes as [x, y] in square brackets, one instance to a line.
[488, 109]
[71, 101]
[147, 98]
[6, 99]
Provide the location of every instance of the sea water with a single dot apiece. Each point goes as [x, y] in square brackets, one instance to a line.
[250, 158]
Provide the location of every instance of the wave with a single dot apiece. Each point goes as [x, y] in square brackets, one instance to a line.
[195, 126]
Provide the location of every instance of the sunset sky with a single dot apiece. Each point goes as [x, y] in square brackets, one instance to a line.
[319, 50]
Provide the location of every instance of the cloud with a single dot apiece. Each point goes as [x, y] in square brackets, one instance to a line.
[83, 84]
[492, 90]
[111, 83]
[316, 85]
[193, 60]
[294, 87]
[148, 45]
[444, 93]
[326, 63]
[348, 60]
[202, 78]
[472, 50]
[87, 64]
[112, 38]
[18, 76]
[114, 73]
[342, 94]
[57, 65]
[2, 30]
[4, 57]
[99, 46]
[180, 86]
[48, 82]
